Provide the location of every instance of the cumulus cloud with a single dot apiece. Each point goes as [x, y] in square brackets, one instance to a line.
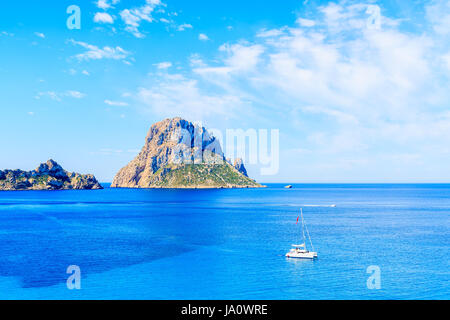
[241, 57]
[184, 26]
[446, 60]
[103, 17]
[203, 37]
[163, 65]
[438, 13]
[238, 58]
[96, 53]
[176, 95]
[134, 17]
[305, 22]
[106, 4]
[370, 74]
[270, 33]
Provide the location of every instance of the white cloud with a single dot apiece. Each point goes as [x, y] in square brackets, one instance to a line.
[175, 95]
[344, 118]
[270, 33]
[95, 53]
[196, 61]
[75, 94]
[103, 4]
[103, 17]
[116, 103]
[40, 35]
[184, 26]
[73, 72]
[365, 87]
[438, 13]
[59, 96]
[203, 37]
[240, 57]
[5, 33]
[106, 4]
[134, 17]
[305, 22]
[51, 94]
[446, 60]
[163, 65]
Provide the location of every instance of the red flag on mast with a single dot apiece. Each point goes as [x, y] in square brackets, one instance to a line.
[297, 219]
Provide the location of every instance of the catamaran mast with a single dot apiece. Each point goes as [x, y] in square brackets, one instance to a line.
[307, 231]
[303, 227]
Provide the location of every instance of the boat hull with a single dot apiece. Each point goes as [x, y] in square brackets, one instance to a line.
[302, 255]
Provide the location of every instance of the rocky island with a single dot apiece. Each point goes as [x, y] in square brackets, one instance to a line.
[180, 154]
[48, 176]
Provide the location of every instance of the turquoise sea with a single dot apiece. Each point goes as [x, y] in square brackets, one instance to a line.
[227, 244]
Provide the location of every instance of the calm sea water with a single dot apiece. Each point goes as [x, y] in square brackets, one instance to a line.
[226, 244]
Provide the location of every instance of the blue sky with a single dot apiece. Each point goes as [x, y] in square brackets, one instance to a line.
[358, 95]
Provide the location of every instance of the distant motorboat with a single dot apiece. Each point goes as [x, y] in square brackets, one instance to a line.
[288, 187]
[300, 251]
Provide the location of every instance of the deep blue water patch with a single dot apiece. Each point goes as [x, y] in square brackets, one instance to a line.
[227, 244]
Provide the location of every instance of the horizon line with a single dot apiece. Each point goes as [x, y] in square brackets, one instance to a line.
[303, 183]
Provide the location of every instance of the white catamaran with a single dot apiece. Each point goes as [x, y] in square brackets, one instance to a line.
[300, 251]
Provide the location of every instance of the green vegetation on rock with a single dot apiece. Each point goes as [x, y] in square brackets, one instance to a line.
[48, 176]
[201, 176]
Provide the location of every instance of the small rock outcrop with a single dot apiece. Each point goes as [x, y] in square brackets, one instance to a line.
[180, 154]
[48, 176]
[239, 166]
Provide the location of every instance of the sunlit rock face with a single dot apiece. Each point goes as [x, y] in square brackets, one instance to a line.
[180, 154]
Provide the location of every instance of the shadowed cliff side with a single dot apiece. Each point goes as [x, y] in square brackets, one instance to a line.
[48, 176]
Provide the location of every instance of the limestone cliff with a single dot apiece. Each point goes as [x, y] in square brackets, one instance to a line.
[239, 166]
[180, 154]
[48, 176]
